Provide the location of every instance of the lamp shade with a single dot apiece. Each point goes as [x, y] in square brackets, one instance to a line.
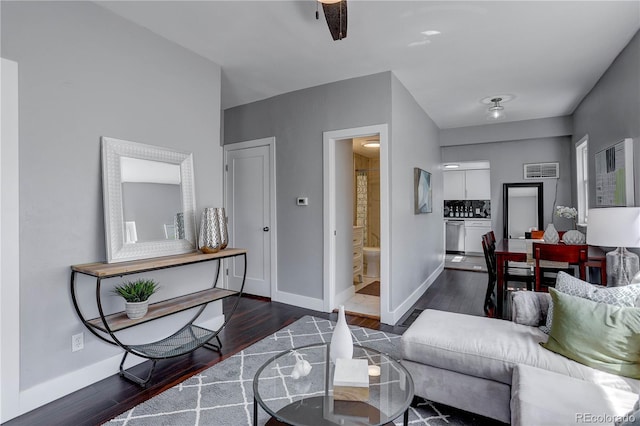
[614, 227]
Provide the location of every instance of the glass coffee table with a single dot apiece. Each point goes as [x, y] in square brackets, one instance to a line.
[308, 400]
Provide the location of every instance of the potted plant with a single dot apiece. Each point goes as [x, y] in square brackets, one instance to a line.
[136, 295]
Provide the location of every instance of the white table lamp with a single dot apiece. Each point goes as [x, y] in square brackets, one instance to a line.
[616, 227]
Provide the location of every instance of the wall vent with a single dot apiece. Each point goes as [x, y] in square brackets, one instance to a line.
[542, 171]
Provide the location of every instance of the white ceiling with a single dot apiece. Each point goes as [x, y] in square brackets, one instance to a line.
[546, 55]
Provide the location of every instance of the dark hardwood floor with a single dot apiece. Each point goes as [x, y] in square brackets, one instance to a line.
[455, 291]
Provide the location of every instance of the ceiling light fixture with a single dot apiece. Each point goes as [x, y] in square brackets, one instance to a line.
[430, 33]
[451, 166]
[371, 144]
[496, 111]
[329, 1]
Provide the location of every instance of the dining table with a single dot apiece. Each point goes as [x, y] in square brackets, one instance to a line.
[520, 250]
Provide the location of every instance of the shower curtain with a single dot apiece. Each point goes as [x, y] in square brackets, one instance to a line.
[361, 202]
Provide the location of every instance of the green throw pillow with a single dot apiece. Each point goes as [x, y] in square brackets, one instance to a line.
[602, 336]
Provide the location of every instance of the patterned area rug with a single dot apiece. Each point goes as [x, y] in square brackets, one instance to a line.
[223, 394]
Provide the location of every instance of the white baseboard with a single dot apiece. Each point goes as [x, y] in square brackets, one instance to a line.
[345, 295]
[298, 300]
[53, 389]
[397, 313]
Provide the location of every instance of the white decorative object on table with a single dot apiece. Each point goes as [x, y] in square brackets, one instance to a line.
[302, 367]
[341, 341]
[573, 237]
[551, 235]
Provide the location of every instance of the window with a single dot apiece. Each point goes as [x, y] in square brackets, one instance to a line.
[582, 176]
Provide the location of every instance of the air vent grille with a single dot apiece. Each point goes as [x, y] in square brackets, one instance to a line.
[542, 171]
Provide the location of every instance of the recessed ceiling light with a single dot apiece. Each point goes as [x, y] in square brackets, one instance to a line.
[430, 33]
[419, 43]
[451, 166]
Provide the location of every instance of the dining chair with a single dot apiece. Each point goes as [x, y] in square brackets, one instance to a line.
[553, 258]
[490, 295]
[511, 274]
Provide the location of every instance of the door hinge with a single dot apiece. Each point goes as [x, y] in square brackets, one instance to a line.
[335, 233]
[227, 271]
[226, 167]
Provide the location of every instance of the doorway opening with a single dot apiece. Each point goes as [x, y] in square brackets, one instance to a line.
[366, 228]
[356, 220]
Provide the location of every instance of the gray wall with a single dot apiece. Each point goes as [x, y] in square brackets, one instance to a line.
[86, 73]
[507, 159]
[298, 120]
[510, 131]
[417, 241]
[611, 112]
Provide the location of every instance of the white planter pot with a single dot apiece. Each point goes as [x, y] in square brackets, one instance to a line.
[136, 310]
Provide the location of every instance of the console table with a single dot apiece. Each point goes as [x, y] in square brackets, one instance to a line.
[188, 338]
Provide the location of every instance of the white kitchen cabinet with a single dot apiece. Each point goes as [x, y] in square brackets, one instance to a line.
[467, 185]
[453, 185]
[478, 184]
[473, 232]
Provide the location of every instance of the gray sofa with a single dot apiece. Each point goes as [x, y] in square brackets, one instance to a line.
[498, 369]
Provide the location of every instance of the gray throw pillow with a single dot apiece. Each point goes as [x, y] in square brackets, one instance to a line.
[618, 296]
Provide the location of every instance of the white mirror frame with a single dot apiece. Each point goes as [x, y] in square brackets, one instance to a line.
[117, 251]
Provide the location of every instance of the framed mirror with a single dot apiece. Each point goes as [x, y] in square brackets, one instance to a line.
[149, 201]
[523, 204]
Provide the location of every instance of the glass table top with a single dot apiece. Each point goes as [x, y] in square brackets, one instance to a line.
[309, 399]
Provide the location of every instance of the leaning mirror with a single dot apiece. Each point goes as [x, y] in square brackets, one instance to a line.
[522, 208]
[149, 201]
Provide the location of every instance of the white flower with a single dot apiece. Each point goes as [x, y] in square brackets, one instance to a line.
[566, 212]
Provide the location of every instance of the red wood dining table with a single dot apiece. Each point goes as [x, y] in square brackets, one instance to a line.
[515, 250]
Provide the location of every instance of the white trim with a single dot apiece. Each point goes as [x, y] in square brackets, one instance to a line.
[329, 215]
[582, 197]
[271, 143]
[9, 244]
[415, 296]
[345, 295]
[298, 300]
[60, 386]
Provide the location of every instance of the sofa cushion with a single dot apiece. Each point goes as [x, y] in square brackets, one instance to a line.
[490, 348]
[540, 397]
[599, 335]
[619, 296]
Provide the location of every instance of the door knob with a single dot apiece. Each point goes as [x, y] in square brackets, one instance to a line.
[265, 229]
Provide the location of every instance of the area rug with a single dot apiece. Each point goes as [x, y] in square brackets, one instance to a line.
[372, 289]
[223, 394]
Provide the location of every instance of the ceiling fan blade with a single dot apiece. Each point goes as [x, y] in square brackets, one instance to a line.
[336, 16]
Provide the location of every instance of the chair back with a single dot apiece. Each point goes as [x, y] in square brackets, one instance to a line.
[562, 253]
[489, 257]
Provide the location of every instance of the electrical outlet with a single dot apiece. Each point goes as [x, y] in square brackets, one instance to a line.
[77, 342]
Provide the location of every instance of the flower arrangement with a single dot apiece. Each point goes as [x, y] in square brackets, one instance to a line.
[567, 213]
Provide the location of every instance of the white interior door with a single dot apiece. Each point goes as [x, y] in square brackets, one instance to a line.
[248, 208]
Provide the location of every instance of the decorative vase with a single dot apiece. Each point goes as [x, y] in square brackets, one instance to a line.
[573, 237]
[209, 240]
[341, 342]
[551, 235]
[222, 223]
[136, 310]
